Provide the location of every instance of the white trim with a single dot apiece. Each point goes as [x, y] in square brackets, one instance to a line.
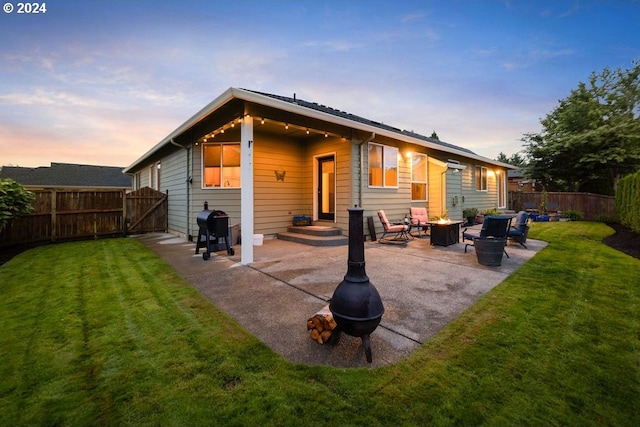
[316, 183]
[221, 144]
[383, 186]
[246, 191]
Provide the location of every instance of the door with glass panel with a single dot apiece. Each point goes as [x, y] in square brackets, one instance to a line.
[326, 188]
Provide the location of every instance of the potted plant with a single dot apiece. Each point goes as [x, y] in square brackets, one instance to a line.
[470, 215]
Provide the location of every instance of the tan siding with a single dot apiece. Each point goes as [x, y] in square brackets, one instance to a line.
[394, 201]
[342, 151]
[275, 202]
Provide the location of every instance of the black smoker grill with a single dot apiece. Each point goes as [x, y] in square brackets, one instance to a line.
[213, 226]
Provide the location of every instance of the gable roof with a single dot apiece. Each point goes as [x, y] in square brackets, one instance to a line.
[68, 175]
[312, 110]
[349, 116]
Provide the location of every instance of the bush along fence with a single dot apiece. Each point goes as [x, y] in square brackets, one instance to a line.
[627, 204]
[75, 214]
[593, 207]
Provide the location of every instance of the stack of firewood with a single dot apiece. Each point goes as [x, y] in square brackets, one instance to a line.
[321, 325]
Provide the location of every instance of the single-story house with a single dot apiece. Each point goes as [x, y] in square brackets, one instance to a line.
[69, 175]
[264, 158]
[518, 182]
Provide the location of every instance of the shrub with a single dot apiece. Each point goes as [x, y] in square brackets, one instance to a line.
[573, 215]
[468, 212]
[627, 203]
[15, 201]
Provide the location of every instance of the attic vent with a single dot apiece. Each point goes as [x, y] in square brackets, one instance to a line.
[453, 161]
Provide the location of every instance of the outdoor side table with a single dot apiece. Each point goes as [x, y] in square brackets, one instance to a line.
[445, 233]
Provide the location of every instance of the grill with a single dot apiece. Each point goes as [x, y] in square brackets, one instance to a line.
[356, 305]
[213, 228]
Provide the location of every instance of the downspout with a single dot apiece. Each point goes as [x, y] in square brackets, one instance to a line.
[188, 183]
[361, 148]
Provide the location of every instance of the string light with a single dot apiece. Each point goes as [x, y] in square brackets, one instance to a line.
[307, 130]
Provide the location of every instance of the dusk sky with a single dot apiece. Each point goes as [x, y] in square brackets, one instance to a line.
[101, 81]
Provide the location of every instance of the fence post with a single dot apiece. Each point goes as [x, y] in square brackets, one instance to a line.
[54, 197]
[124, 213]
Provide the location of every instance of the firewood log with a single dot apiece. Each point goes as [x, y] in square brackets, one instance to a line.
[321, 325]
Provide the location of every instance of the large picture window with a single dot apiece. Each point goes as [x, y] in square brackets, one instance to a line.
[481, 178]
[221, 165]
[419, 177]
[383, 166]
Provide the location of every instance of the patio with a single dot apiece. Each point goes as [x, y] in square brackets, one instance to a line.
[423, 288]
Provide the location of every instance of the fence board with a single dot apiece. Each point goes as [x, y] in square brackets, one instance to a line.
[593, 206]
[75, 214]
[147, 211]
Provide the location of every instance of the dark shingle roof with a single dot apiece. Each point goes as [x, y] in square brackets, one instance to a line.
[68, 175]
[349, 116]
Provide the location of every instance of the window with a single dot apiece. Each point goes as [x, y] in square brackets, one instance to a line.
[383, 166]
[481, 178]
[221, 165]
[418, 177]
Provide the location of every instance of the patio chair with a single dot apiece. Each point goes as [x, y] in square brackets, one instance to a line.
[496, 226]
[420, 220]
[399, 231]
[520, 229]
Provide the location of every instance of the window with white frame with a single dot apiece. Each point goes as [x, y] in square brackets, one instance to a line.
[221, 165]
[383, 165]
[481, 178]
[419, 177]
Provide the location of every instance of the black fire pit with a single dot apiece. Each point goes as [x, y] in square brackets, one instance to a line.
[356, 305]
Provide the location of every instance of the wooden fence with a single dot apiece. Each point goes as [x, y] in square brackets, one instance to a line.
[77, 214]
[592, 206]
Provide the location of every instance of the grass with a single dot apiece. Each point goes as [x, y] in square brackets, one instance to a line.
[106, 333]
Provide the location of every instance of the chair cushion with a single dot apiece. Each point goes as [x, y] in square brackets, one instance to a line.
[419, 216]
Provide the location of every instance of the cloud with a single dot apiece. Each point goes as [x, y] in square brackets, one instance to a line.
[414, 16]
[333, 45]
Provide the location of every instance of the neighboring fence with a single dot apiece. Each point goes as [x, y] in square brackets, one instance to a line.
[76, 214]
[593, 206]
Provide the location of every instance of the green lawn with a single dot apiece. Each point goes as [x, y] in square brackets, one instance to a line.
[104, 332]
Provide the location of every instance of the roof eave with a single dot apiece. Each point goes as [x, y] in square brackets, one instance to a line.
[225, 97]
[249, 96]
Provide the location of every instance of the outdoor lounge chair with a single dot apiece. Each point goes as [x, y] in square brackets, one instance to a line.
[399, 231]
[520, 229]
[496, 226]
[420, 220]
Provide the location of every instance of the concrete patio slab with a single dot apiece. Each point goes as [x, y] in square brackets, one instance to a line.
[422, 287]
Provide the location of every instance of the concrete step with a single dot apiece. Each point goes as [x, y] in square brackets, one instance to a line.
[314, 235]
[315, 230]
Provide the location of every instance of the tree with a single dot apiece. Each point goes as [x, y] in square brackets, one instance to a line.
[592, 138]
[15, 201]
[516, 159]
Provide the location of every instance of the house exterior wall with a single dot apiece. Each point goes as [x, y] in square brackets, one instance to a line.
[223, 199]
[173, 179]
[343, 153]
[394, 201]
[275, 202]
[481, 200]
[435, 207]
